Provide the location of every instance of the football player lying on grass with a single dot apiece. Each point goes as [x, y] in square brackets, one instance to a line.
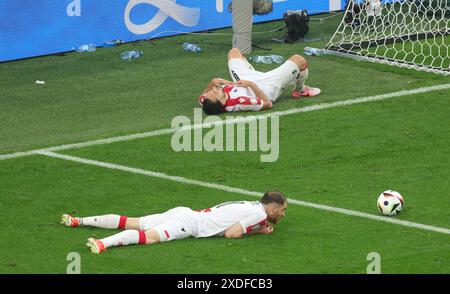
[231, 219]
[253, 90]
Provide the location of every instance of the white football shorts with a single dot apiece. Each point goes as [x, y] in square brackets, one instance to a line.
[272, 83]
[174, 224]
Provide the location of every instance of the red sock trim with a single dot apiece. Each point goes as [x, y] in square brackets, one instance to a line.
[142, 237]
[122, 222]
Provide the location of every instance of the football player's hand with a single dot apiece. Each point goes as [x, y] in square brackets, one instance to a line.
[266, 229]
[244, 83]
[221, 82]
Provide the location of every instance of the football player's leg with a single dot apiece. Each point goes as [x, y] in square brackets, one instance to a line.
[300, 89]
[165, 232]
[168, 230]
[240, 67]
[108, 221]
[302, 64]
[184, 225]
[127, 237]
[235, 53]
[148, 222]
[248, 64]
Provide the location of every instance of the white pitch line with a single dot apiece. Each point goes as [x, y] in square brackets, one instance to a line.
[229, 121]
[243, 191]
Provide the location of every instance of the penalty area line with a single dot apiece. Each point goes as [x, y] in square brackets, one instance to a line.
[242, 191]
[314, 107]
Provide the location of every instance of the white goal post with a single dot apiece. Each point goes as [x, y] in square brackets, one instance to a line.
[406, 33]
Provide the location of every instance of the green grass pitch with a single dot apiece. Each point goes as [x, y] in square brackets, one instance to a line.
[341, 157]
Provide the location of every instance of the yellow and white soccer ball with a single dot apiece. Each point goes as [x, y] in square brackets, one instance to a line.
[390, 203]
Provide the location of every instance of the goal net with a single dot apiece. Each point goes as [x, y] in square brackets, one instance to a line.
[407, 33]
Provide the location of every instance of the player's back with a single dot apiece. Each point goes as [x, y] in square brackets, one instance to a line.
[215, 220]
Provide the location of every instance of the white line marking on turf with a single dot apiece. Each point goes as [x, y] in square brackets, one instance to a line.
[242, 191]
[232, 121]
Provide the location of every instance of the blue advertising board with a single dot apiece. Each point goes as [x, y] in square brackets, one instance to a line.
[39, 27]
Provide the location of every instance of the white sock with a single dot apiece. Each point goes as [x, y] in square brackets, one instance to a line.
[124, 238]
[303, 76]
[109, 221]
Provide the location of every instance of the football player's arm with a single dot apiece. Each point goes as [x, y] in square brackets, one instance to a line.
[221, 82]
[267, 103]
[237, 231]
[264, 229]
[256, 222]
[215, 82]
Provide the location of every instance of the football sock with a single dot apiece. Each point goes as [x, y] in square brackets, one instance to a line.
[303, 76]
[124, 238]
[109, 221]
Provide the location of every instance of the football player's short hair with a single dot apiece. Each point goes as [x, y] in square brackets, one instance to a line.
[211, 107]
[274, 197]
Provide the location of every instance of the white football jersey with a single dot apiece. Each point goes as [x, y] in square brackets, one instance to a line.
[216, 220]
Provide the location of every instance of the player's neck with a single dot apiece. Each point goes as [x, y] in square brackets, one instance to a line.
[224, 99]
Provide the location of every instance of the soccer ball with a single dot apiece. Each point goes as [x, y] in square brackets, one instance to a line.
[373, 7]
[390, 203]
